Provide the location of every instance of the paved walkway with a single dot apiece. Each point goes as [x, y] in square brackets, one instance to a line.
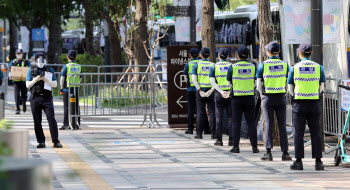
[161, 158]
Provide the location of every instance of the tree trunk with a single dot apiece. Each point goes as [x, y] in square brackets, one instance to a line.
[208, 31]
[115, 50]
[89, 29]
[266, 36]
[55, 30]
[141, 36]
[13, 43]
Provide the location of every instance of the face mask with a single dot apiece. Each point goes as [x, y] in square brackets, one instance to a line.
[19, 56]
[40, 62]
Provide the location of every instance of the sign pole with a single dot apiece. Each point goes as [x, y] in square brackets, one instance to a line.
[193, 22]
[317, 46]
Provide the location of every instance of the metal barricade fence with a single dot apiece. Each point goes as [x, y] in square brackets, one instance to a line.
[3, 88]
[331, 108]
[159, 97]
[114, 98]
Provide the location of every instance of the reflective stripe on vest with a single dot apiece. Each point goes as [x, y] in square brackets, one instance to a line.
[73, 68]
[16, 61]
[243, 78]
[307, 76]
[203, 70]
[275, 76]
[190, 68]
[221, 70]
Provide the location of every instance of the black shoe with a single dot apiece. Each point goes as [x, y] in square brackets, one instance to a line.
[207, 132]
[76, 128]
[286, 157]
[57, 145]
[297, 165]
[189, 131]
[41, 145]
[267, 157]
[255, 149]
[18, 112]
[230, 142]
[64, 127]
[219, 143]
[235, 150]
[24, 108]
[198, 137]
[319, 166]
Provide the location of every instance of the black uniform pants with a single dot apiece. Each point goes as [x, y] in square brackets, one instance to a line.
[43, 103]
[275, 103]
[20, 93]
[191, 105]
[246, 105]
[307, 111]
[221, 105]
[66, 104]
[202, 117]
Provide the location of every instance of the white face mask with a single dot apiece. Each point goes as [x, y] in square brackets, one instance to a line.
[19, 56]
[40, 62]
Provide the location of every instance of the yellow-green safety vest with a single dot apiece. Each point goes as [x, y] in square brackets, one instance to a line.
[243, 78]
[221, 70]
[275, 76]
[73, 68]
[203, 70]
[307, 76]
[190, 68]
[15, 61]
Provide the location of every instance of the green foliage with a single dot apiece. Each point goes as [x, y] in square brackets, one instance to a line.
[85, 59]
[4, 125]
[236, 3]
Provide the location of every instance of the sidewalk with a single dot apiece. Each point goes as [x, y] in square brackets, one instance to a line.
[162, 158]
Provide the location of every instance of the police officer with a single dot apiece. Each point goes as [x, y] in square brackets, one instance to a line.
[271, 83]
[218, 79]
[71, 68]
[191, 89]
[204, 94]
[242, 75]
[306, 81]
[19, 86]
[40, 81]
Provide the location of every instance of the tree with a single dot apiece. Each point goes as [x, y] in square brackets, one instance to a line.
[208, 31]
[89, 26]
[266, 36]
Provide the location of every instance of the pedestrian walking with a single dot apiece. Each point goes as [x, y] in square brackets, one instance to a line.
[40, 81]
[204, 94]
[222, 99]
[20, 89]
[69, 69]
[242, 76]
[306, 81]
[271, 83]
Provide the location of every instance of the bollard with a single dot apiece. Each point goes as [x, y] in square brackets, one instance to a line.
[2, 105]
[72, 102]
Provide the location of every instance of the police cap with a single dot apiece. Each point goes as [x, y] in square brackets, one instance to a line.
[72, 54]
[194, 52]
[243, 52]
[305, 48]
[19, 51]
[205, 51]
[273, 47]
[223, 52]
[37, 55]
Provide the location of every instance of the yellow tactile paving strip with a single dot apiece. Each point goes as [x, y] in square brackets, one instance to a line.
[91, 178]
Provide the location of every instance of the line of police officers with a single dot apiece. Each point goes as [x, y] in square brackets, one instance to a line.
[225, 87]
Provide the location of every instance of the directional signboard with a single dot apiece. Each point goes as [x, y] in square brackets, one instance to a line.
[177, 57]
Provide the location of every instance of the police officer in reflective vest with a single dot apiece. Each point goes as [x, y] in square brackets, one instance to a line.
[69, 69]
[218, 79]
[40, 81]
[306, 81]
[20, 86]
[271, 83]
[191, 89]
[242, 76]
[204, 95]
